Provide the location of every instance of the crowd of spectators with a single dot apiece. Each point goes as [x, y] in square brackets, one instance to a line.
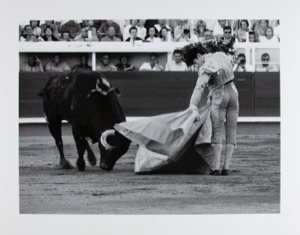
[161, 30]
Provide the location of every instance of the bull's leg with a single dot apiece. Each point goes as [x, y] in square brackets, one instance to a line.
[80, 144]
[91, 156]
[55, 130]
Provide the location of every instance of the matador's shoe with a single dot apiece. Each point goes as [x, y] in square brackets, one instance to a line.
[215, 172]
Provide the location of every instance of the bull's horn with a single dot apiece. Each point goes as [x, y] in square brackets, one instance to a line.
[103, 139]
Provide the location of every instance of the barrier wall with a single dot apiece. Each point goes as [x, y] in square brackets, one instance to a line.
[152, 93]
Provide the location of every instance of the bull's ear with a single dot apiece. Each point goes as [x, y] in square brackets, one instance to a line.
[118, 93]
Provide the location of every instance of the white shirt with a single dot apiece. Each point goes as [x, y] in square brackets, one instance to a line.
[153, 40]
[218, 30]
[148, 66]
[264, 39]
[248, 68]
[173, 66]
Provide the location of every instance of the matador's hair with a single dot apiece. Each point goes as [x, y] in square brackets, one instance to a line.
[190, 51]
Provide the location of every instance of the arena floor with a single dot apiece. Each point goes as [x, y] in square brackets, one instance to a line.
[253, 186]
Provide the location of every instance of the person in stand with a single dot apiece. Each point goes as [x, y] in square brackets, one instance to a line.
[33, 65]
[241, 65]
[152, 37]
[152, 65]
[265, 65]
[28, 35]
[83, 63]
[177, 64]
[133, 35]
[269, 38]
[124, 65]
[57, 65]
[48, 36]
[105, 64]
[111, 35]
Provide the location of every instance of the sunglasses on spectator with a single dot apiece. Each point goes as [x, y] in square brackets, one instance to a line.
[265, 59]
[105, 58]
[227, 32]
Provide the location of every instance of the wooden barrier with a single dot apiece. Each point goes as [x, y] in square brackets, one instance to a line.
[152, 93]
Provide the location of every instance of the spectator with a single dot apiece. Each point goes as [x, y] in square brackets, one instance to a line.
[241, 65]
[52, 25]
[243, 30]
[56, 65]
[251, 36]
[36, 30]
[83, 63]
[219, 28]
[150, 23]
[152, 35]
[186, 36]
[28, 36]
[266, 66]
[200, 29]
[152, 65]
[126, 31]
[72, 27]
[165, 35]
[277, 30]
[48, 36]
[111, 35]
[66, 37]
[260, 29]
[162, 24]
[142, 30]
[103, 30]
[105, 65]
[177, 64]
[269, 38]
[85, 37]
[178, 31]
[133, 35]
[33, 65]
[228, 38]
[124, 66]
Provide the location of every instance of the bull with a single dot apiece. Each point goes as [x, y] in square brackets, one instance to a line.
[87, 101]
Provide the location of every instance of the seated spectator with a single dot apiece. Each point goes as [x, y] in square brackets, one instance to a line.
[186, 36]
[57, 65]
[162, 24]
[266, 66]
[33, 65]
[150, 23]
[241, 66]
[200, 29]
[52, 25]
[251, 36]
[105, 65]
[219, 28]
[165, 35]
[48, 36]
[28, 36]
[65, 37]
[177, 64]
[36, 30]
[126, 32]
[72, 27]
[228, 38]
[207, 35]
[111, 35]
[269, 38]
[178, 30]
[152, 37]
[124, 66]
[152, 65]
[133, 35]
[85, 37]
[103, 30]
[260, 29]
[243, 30]
[83, 63]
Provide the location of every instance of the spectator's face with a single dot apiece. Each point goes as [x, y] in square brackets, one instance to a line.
[227, 33]
[182, 22]
[133, 33]
[33, 24]
[111, 31]
[162, 22]
[134, 22]
[90, 23]
[48, 32]
[201, 27]
[244, 25]
[241, 59]
[222, 23]
[105, 59]
[124, 60]
[263, 23]
[269, 33]
[66, 36]
[265, 59]
[109, 22]
[251, 38]
[31, 60]
[153, 58]
[151, 31]
[164, 32]
[28, 30]
[84, 33]
[207, 35]
[177, 57]
[83, 60]
[48, 22]
[56, 59]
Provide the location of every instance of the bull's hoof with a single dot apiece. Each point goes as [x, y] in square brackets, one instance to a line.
[92, 160]
[106, 167]
[80, 165]
[65, 165]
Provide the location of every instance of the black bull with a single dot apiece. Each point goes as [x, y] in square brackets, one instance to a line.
[86, 100]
